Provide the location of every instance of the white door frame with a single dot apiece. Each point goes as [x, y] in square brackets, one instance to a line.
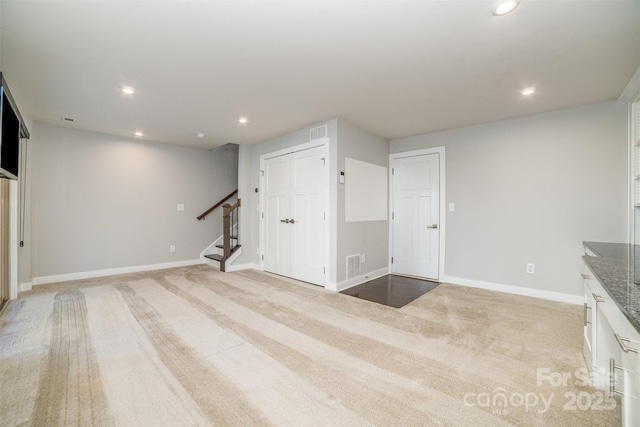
[320, 142]
[442, 201]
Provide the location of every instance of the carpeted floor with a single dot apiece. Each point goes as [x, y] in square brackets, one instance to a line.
[194, 346]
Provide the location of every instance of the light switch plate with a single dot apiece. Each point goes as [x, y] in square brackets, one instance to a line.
[452, 207]
[180, 206]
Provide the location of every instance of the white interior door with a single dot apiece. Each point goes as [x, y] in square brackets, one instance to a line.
[294, 208]
[416, 216]
[307, 210]
[277, 209]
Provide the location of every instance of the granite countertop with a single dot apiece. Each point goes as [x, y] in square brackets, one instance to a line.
[616, 267]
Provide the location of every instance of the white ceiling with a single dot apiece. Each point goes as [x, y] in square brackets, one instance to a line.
[394, 68]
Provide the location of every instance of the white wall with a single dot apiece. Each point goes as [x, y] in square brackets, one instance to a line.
[104, 202]
[370, 238]
[530, 190]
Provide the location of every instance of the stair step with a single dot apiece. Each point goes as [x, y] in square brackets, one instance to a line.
[214, 257]
[218, 257]
[222, 247]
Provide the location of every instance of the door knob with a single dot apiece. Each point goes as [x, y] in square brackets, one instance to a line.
[292, 221]
[432, 226]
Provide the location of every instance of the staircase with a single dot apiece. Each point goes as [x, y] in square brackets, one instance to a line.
[218, 249]
[227, 247]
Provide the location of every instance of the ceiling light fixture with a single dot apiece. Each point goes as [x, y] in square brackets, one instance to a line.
[139, 134]
[528, 91]
[243, 120]
[502, 7]
[128, 90]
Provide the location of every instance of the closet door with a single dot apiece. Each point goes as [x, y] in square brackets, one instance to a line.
[294, 215]
[277, 211]
[307, 210]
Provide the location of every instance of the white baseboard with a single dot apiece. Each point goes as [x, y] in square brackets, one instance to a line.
[355, 281]
[517, 290]
[24, 287]
[112, 271]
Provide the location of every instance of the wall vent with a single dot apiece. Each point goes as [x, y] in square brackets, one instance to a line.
[318, 132]
[353, 266]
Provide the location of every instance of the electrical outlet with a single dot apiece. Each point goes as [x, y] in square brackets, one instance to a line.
[531, 268]
[452, 207]
[172, 248]
[363, 259]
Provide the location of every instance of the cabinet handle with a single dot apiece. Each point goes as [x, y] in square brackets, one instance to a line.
[586, 276]
[585, 314]
[622, 341]
[612, 379]
[598, 298]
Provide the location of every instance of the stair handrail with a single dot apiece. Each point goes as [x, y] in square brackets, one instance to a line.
[212, 208]
[227, 229]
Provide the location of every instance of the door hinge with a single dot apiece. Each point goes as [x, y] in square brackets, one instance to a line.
[262, 257]
[323, 270]
[262, 215]
[393, 215]
[393, 171]
[323, 161]
[262, 173]
[391, 260]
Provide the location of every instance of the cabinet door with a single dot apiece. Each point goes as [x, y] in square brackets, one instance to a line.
[589, 313]
[628, 366]
[631, 399]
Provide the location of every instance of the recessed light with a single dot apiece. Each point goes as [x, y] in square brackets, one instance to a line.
[138, 134]
[128, 90]
[243, 120]
[528, 91]
[200, 135]
[502, 7]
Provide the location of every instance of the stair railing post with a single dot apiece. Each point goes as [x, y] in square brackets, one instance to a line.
[226, 234]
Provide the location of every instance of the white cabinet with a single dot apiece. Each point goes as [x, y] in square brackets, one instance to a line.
[597, 334]
[624, 365]
[611, 348]
[589, 319]
[631, 364]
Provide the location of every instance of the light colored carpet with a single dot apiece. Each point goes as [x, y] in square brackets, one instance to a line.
[194, 346]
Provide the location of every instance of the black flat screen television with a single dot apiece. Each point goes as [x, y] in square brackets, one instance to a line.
[13, 129]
